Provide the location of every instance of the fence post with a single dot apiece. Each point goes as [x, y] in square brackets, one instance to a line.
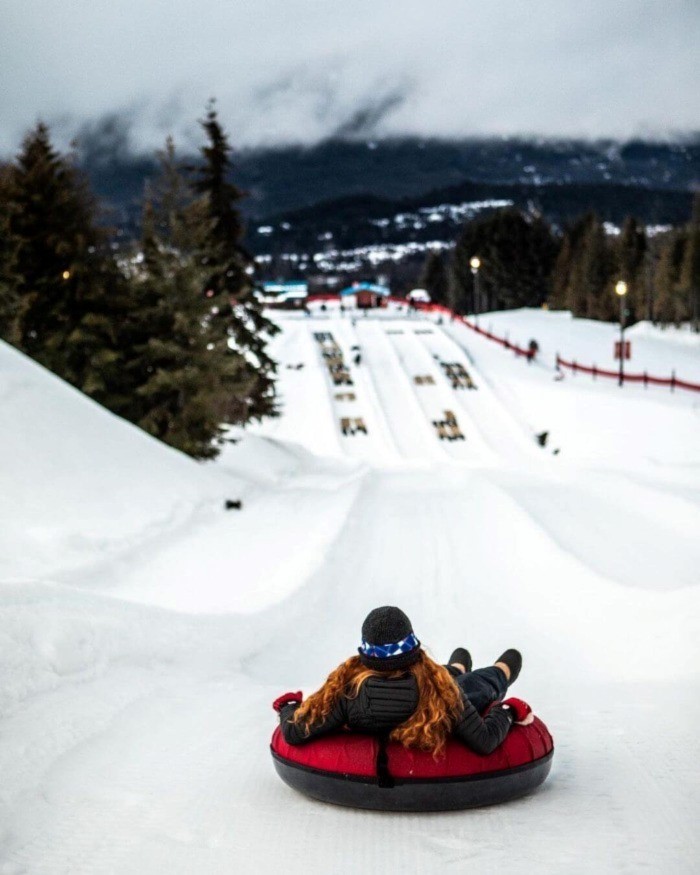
[595, 372]
[673, 380]
[646, 380]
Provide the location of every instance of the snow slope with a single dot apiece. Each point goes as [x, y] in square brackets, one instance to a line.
[588, 341]
[80, 484]
[590, 420]
[135, 693]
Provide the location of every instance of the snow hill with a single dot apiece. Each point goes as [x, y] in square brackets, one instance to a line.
[144, 630]
[78, 482]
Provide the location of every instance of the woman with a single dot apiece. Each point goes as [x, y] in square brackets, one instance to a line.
[394, 688]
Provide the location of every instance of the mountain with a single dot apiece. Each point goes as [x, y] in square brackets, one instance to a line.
[290, 178]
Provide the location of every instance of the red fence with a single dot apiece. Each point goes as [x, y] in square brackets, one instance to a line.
[646, 379]
[502, 341]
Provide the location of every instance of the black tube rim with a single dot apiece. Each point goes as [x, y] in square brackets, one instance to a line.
[447, 779]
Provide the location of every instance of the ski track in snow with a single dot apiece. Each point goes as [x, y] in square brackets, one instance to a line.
[135, 698]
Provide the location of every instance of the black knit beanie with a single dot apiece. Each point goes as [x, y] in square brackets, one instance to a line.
[388, 641]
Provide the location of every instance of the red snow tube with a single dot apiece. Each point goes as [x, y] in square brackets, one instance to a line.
[363, 771]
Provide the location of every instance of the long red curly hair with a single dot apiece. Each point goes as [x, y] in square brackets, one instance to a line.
[428, 728]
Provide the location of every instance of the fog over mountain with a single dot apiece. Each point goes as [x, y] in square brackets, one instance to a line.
[304, 71]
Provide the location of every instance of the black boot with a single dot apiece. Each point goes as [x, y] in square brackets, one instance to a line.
[514, 661]
[463, 657]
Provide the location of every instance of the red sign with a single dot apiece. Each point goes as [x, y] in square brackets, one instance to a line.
[627, 349]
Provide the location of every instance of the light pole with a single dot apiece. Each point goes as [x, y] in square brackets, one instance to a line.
[475, 264]
[621, 291]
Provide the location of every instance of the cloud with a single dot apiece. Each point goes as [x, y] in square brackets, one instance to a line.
[301, 70]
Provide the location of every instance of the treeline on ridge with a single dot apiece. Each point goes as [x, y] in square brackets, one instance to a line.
[525, 263]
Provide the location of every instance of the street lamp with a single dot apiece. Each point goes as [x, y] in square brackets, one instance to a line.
[621, 291]
[475, 264]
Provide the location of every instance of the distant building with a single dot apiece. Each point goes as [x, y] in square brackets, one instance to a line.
[292, 293]
[367, 295]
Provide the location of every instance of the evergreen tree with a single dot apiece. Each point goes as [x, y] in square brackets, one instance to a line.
[690, 269]
[594, 276]
[236, 323]
[434, 278]
[563, 266]
[69, 289]
[179, 377]
[583, 271]
[9, 279]
[630, 249]
[517, 254]
[671, 304]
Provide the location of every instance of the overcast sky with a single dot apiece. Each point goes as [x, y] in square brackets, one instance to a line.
[300, 70]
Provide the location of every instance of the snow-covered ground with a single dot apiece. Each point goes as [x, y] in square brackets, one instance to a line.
[144, 629]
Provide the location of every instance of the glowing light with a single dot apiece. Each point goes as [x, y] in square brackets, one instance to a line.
[475, 262]
[621, 288]
[66, 274]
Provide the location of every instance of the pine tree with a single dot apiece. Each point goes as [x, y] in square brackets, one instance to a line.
[630, 249]
[179, 379]
[690, 269]
[671, 304]
[9, 279]
[587, 289]
[517, 254]
[597, 274]
[434, 278]
[563, 267]
[236, 323]
[69, 288]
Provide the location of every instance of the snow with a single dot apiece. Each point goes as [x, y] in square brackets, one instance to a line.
[656, 350]
[144, 629]
[79, 483]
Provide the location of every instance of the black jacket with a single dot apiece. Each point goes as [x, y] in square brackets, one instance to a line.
[383, 703]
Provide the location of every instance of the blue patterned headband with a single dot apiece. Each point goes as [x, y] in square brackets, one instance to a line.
[383, 651]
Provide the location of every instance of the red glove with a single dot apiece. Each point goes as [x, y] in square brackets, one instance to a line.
[286, 699]
[520, 709]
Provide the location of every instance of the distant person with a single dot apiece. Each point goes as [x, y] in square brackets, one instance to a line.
[358, 358]
[393, 687]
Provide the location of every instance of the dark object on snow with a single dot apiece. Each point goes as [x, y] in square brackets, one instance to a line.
[542, 438]
[556, 452]
[366, 771]
[233, 504]
[533, 348]
[358, 358]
